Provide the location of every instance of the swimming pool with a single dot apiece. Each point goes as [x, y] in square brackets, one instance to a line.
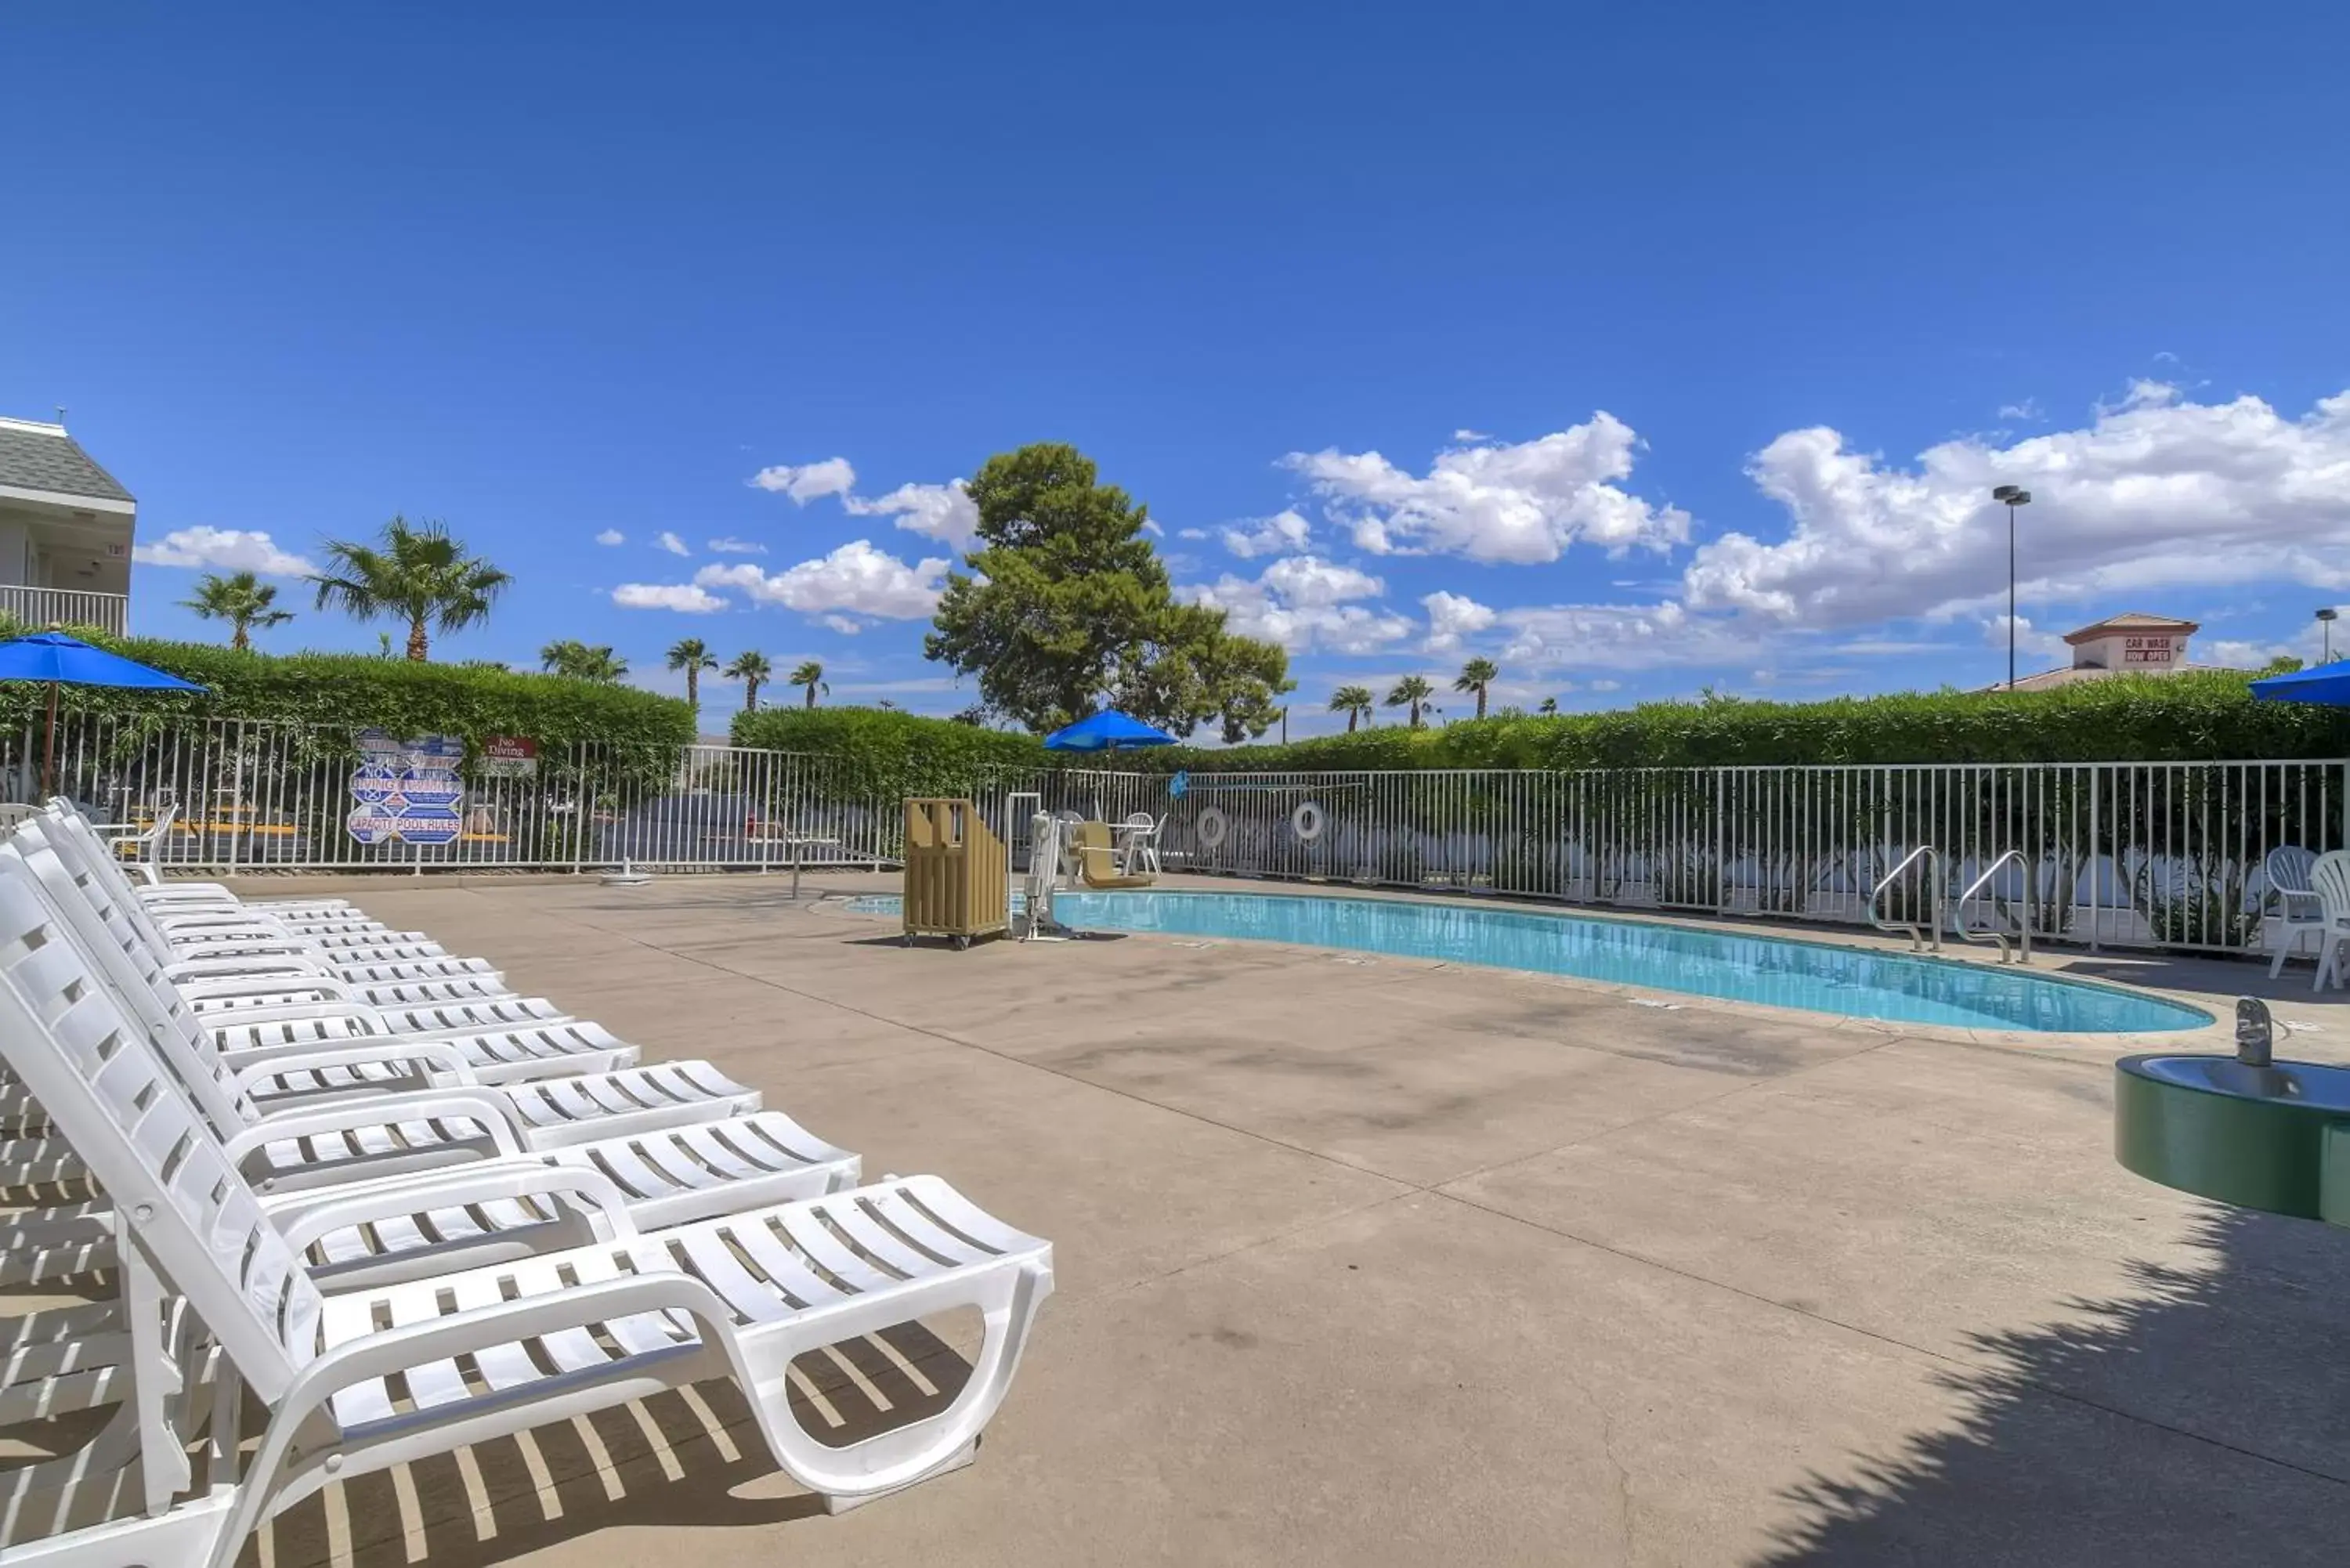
[1778, 971]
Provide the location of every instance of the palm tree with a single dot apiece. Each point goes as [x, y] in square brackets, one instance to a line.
[1475, 676]
[575, 658]
[1355, 701]
[810, 674]
[416, 573]
[1412, 691]
[692, 656]
[243, 600]
[1548, 708]
[752, 670]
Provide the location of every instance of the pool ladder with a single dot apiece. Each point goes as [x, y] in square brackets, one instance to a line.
[2019, 951]
[1928, 934]
[1921, 937]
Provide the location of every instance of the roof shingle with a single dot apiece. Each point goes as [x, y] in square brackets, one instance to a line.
[36, 460]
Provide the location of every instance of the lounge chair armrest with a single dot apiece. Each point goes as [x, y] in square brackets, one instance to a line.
[435, 1056]
[481, 1328]
[296, 1013]
[231, 995]
[180, 971]
[430, 1104]
[200, 922]
[384, 1046]
[304, 1217]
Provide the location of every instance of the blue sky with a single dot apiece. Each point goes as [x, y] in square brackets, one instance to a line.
[1671, 346]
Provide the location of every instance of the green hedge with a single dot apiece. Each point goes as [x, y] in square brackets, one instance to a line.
[2195, 717]
[2198, 717]
[358, 690]
[891, 754]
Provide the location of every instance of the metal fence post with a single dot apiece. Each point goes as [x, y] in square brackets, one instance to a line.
[578, 804]
[1720, 819]
[2096, 882]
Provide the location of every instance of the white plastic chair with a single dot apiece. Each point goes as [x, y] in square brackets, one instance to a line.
[548, 1337]
[1138, 842]
[2298, 909]
[2329, 879]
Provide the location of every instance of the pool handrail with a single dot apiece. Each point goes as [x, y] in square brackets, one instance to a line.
[2023, 948]
[1921, 937]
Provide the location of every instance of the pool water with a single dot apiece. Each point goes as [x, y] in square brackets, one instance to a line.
[1732, 965]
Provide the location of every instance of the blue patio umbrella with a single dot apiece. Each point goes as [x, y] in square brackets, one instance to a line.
[60, 660]
[2325, 684]
[1106, 732]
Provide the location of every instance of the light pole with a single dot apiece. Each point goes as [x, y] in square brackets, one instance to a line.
[2011, 496]
[2325, 618]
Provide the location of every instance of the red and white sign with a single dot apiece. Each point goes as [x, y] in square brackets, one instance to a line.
[509, 756]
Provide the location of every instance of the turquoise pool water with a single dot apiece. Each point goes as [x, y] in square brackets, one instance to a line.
[1732, 965]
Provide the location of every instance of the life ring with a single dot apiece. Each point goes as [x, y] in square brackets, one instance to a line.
[1210, 828]
[1306, 821]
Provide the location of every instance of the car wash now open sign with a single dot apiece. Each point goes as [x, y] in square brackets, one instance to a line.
[406, 791]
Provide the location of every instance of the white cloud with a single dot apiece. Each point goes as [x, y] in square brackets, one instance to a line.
[1307, 580]
[1302, 603]
[230, 549]
[2236, 653]
[942, 511]
[1467, 437]
[847, 625]
[1602, 686]
[2029, 408]
[806, 482]
[1523, 503]
[689, 598]
[1284, 530]
[2028, 642]
[2156, 493]
[855, 577]
[1150, 526]
[671, 542]
[736, 547]
[611, 537]
[1450, 618]
[1623, 636]
[1191, 533]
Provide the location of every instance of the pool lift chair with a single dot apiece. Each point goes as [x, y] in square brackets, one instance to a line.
[1097, 861]
[1042, 878]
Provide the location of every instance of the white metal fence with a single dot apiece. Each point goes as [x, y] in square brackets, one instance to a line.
[262, 797]
[2111, 854]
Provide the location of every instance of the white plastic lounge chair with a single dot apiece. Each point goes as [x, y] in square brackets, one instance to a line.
[2293, 906]
[146, 859]
[108, 929]
[2329, 878]
[665, 1174]
[388, 1103]
[466, 1356]
[217, 973]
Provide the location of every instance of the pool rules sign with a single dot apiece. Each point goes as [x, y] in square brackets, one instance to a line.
[407, 791]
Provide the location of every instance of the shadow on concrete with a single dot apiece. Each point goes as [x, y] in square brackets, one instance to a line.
[692, 1460]
[2203, 1416]
[2199, 976]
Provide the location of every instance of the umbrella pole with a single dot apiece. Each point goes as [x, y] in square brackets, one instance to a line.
[49, 747]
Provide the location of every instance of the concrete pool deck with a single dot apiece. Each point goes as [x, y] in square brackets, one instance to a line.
[1374, 1260]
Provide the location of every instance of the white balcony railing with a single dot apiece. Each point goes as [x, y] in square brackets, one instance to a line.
[39, 607]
